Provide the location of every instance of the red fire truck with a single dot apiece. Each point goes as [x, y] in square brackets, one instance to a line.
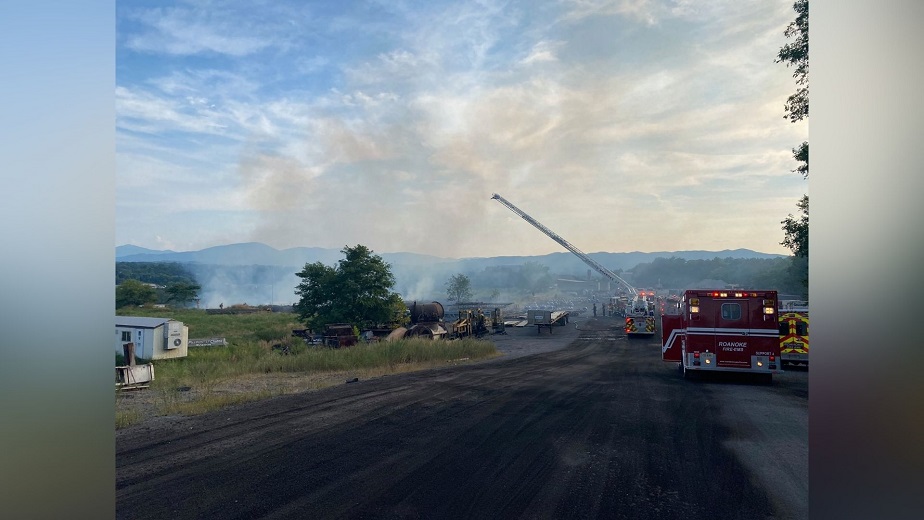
[724, 330]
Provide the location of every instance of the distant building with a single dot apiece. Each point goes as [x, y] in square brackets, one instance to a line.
[154, 338]
[570, 284]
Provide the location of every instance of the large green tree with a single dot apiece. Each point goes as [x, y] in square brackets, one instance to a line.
[358, 291]
[459, 288]
[134, 293]
[796, 55]
[181, 293]
[796, 230]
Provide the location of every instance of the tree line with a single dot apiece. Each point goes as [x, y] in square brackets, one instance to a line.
[359, 289]
[158, 273]
[142, 283]
[763, 273]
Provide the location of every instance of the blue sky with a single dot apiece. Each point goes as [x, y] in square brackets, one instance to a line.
[624, 125]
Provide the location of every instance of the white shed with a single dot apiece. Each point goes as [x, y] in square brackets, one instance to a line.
[154, 338]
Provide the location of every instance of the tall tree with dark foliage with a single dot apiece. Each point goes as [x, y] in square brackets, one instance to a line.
[358, 291]
[796, 54]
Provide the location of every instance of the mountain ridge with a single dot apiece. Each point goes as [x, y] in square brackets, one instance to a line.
[256, 272]
[257, 253]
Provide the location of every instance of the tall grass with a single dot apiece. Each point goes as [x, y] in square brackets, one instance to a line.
[258, 326]
[188, 385]
[250, 353]
[124, 419]
[377, 355]
[206, 366]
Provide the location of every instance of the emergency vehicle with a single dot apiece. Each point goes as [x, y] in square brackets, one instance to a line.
[794, 336]
[640, 318]
[724, 330]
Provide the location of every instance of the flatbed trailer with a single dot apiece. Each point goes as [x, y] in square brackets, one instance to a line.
[543, 318]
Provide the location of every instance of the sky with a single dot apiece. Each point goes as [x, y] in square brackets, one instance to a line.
[621, 125]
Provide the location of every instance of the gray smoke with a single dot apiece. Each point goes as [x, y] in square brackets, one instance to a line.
[253, 285]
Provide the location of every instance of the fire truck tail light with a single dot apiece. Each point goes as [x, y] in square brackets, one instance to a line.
[769, 310]
[772, 358]
[760, 363]
[696, 354]
[694, 309]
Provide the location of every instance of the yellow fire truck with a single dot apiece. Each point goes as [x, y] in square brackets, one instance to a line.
[794, 335]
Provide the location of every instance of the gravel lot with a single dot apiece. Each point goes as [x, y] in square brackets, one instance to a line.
[594, 425]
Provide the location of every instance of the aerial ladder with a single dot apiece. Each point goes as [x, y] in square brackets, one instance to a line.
[567, 245]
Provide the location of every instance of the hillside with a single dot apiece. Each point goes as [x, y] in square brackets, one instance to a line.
[255, 253]
[257, 273]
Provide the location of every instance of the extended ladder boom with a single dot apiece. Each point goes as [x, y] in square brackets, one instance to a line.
[567, 245]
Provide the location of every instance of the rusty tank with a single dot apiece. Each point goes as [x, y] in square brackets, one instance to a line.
[425, 312]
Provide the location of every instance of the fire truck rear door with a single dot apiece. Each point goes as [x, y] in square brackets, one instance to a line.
[671, 337]
[731, 339]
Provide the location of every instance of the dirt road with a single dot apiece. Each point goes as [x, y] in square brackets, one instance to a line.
[598, 429]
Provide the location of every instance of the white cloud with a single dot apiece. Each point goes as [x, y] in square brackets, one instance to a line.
[401, 147]
[142, 111]
[185, 31]
[543, 51]
[641, 10]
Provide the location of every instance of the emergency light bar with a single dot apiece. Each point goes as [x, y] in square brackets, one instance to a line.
[726, 294]
[723, 294]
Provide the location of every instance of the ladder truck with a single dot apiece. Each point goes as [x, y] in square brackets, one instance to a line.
[636, 322]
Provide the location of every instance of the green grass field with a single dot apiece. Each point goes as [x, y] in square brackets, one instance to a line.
[249, 355]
